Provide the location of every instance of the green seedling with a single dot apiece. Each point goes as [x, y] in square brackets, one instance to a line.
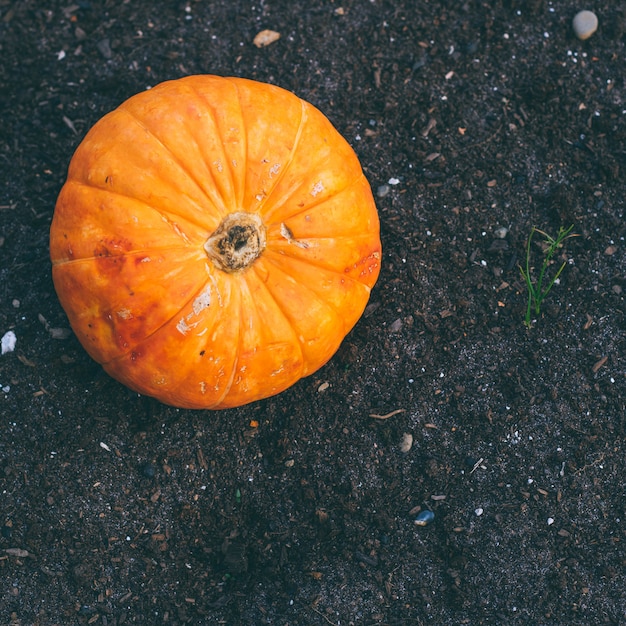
[537, 291]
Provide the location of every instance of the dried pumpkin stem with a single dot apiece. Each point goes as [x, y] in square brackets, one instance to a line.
[237, 241]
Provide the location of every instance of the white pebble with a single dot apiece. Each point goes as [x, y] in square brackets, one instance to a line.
[550, 521]
[8, 342]
[585, 24]
[479, 511]
[501, 232]
[407, 442]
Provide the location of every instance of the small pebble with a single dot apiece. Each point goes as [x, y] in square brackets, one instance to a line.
[478, 512]
[8, 342]
[383, 191]
[407, 442]
[104, 48]
[395, 326]
[501, 232]
[424, 518]
[585, 24]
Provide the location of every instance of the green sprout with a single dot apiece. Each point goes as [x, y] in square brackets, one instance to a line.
[538, 291]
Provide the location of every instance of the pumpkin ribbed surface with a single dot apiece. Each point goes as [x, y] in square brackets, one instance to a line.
[215, 241]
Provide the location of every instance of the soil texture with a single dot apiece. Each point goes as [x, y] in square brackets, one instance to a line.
[474, 122]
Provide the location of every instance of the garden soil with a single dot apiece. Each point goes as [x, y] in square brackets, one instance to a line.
[474, 122]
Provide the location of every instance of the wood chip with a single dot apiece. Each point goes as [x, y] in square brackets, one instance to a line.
[18, 552]
[265, 38]
[201, 459]
[68, 122]
[598, 364]
[25, 361]
[431, 124]
[59, 333]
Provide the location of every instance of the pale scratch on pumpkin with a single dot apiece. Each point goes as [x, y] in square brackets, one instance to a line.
[180, 233]
[274, 169]
[285, 232]
[203, 301]
[215, 285]
[182, 327]
[176, 228]
[317, 188]
[125, 314]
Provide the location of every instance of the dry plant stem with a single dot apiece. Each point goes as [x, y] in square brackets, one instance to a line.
[387, 415]
[237, 242]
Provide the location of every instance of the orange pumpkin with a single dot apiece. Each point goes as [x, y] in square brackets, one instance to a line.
[215, 241]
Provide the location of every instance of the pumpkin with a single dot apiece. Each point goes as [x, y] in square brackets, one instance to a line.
[214, 242]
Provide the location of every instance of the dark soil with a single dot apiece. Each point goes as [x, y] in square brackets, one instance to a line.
[115, 509]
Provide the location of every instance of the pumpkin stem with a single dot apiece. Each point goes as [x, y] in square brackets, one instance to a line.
[237, 241]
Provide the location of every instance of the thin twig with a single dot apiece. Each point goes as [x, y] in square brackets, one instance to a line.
[477, 465]
[388, 415]
[322, 615]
